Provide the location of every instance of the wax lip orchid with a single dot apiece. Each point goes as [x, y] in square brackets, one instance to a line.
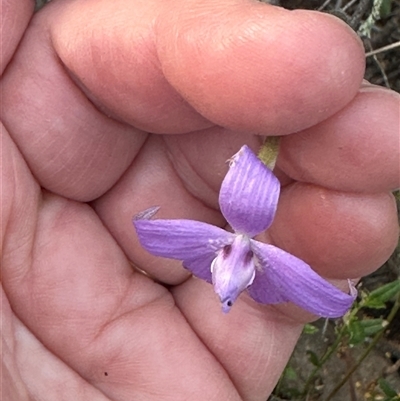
[234, 262]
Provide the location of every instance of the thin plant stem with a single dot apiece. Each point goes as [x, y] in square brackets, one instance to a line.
[383, 73]
[323, 360]
[342, 332]
[385, 78]
[324, 5]
[383, 49]
[348, 5]
[330, 351]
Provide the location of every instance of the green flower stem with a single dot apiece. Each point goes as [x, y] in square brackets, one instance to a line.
[373, 343]
[269, 151]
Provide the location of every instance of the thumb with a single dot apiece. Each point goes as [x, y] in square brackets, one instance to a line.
[241, 64]
[259, 68]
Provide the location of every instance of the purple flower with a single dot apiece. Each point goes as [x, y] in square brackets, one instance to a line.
[234, 262]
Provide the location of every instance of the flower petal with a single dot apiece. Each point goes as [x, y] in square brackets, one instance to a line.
[194, 242]
[264, 291]
[249, 194]
[295, 281]
[233, 270]
[200, 267]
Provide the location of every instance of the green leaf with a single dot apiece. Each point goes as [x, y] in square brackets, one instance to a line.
[387, 389]
[356, 331]
[312, 356]
[373, 326]
[385, 9]
[310, 329]
[290, 373]
[382, 294]
[374, 304]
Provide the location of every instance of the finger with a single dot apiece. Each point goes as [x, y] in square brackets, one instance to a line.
[357, 150]
[215, 55]
[19, 193]
[81, 153]
[13, 387]
[285, 64]
[70, 146]
[15, 16]
[341, 235]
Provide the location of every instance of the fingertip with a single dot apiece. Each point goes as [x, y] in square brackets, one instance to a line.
[293, 69]
[357, 150]
[341, 235]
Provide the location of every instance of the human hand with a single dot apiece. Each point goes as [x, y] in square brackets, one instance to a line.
[88, 81]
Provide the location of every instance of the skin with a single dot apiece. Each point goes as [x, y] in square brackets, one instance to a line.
[110, 107]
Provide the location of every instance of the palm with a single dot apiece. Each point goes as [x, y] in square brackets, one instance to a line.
[79, 319]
